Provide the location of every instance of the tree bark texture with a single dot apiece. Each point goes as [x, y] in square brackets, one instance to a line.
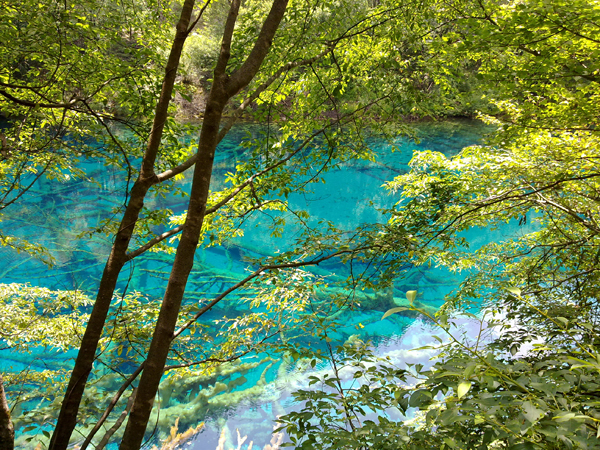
[7, 431]
[67, 418]
[223, 88]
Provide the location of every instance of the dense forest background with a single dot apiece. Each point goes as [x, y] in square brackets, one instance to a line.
[154, 87]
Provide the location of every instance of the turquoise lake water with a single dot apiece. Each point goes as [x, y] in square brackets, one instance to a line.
[56, 214]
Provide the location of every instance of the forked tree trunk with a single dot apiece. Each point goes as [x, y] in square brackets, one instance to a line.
[7, 431]
[224, 87]
[67, 418]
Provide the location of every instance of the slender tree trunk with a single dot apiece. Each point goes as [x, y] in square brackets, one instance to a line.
[67, 418]
[184, 260]
[7, 431]
[223, 88]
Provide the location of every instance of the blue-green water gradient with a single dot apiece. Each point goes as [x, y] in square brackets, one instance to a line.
[60, 216]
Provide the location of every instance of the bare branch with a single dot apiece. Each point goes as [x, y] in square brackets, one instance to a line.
[31, 104]
[195, 22]
[118, 423]
[542, 200]
[222, 360]
[112, 405]
[152, 242]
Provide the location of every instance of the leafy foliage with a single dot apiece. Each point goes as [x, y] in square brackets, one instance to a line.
[532, 382]
[477, 395]
[45, 325]
[73, 70]
[335, 68]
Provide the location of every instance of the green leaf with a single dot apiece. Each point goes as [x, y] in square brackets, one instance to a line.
[463, 388]
[531, 413]
[389, 312]
[185, 96]
[450, 443]
[419, 398]
[469, 369]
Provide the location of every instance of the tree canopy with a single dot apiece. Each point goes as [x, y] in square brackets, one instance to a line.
[326, 77]
[528, 378]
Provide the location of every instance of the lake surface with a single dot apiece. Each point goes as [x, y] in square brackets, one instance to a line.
[57, 215]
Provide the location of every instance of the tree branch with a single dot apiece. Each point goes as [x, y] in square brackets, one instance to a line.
[118, 423]
[31, 104]
[152, 242]
[225, 52]
[243, 75]
[112, 405]
[253, 275]
[200, 13]
[347, 118]
[238, 112]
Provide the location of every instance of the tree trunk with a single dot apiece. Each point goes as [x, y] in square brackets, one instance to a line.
[184, 260]
[7, 431]
[67, 418]
[223, 88]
